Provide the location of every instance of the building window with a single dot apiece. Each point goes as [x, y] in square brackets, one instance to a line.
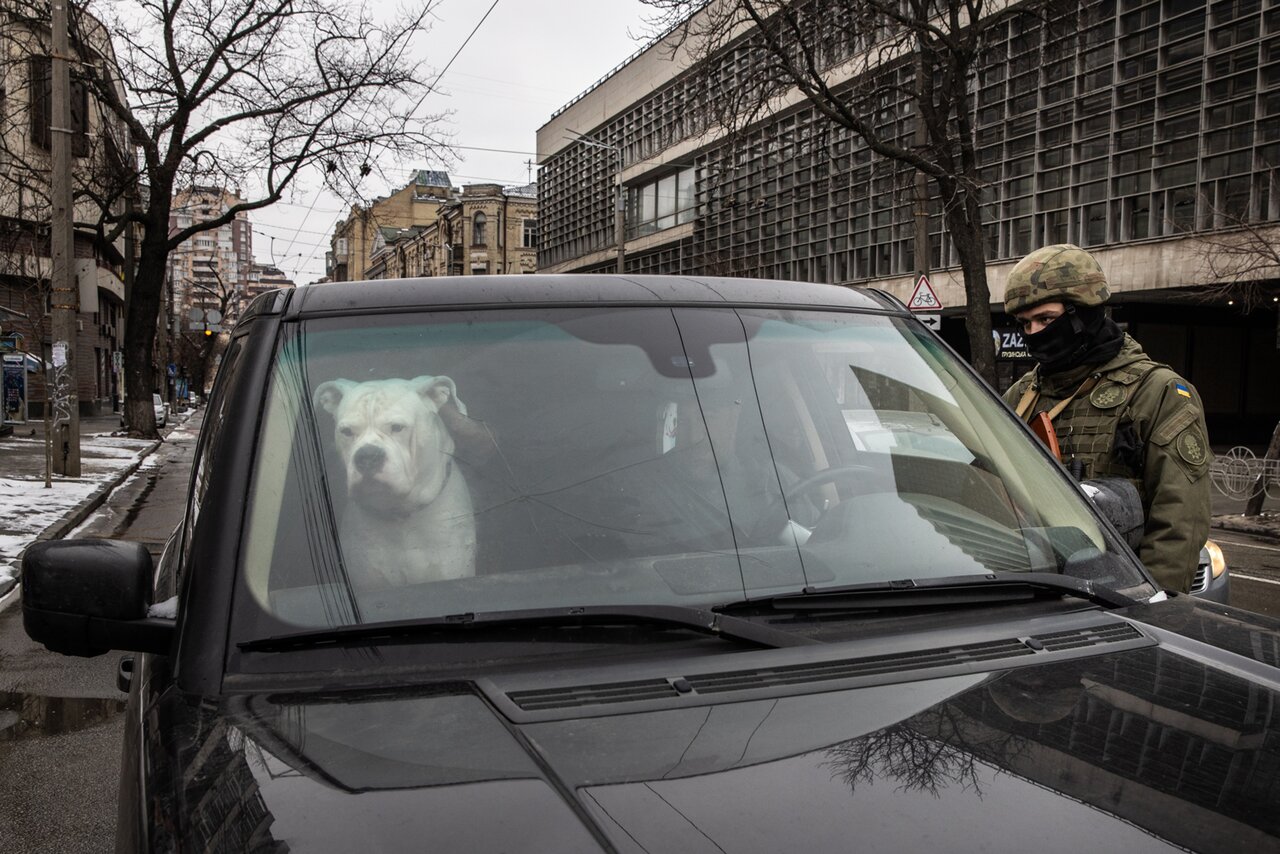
[664, 203]
[530, 237]
[41, 71]
[477, 229]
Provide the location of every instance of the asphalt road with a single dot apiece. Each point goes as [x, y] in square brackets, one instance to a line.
[1255, 571]
[60, 717]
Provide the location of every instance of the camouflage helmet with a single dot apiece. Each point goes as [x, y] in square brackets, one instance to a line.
[1062, 272]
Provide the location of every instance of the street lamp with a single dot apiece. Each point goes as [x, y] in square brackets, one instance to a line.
[619, 212]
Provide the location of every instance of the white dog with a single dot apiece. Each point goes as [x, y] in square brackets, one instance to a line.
[409, 516]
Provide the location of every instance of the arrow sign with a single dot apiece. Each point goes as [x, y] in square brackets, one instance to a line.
[923, 298]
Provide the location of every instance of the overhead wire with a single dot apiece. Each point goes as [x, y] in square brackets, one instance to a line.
[430, 88]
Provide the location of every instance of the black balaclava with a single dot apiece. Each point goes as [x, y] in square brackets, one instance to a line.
[1083, 335]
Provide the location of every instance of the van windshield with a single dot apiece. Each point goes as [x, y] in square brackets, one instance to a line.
[443, 463]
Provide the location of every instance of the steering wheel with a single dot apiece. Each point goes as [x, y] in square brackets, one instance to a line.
[864, 478]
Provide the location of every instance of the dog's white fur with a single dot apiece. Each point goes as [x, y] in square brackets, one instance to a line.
[409, 517]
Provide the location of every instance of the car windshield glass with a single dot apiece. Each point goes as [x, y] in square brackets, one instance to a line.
[463, 462]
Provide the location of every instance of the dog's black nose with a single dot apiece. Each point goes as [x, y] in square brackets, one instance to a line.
[369, 458]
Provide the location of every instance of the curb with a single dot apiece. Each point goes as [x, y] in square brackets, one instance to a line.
[75, 516]
[1246, 526]
[96, 499]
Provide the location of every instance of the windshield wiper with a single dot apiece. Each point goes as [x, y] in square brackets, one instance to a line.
[695, 619]
[931, 592]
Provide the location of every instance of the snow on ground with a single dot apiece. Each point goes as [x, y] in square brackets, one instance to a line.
[27, 507]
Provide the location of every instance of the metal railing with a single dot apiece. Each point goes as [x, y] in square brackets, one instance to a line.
[1241, 474]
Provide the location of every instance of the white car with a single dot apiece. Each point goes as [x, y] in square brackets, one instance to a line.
[158, 406]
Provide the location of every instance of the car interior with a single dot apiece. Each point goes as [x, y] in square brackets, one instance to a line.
[686, 456]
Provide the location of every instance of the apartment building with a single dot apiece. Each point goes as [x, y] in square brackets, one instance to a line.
[1157, 126]
[102, 154]
[211, 272]
[483, 229]
[357, 237]
[263, 278]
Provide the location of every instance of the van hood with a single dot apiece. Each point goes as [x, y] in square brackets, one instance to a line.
[1169, 745]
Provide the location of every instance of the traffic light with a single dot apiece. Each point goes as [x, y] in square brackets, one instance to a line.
[208, 331]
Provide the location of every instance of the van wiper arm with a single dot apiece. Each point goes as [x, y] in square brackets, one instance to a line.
[930, 592]
[696, 619]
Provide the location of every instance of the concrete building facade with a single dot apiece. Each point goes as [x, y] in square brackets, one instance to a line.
[484, 229]
[356, 238]
[1156, 128]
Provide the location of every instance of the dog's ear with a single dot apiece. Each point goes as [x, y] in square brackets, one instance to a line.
[439, 390]
[328, 395]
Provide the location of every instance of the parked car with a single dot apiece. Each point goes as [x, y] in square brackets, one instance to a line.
[598, 563]
[158, 407]
[1213, 578]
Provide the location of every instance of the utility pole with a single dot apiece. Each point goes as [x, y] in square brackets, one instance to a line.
[65, 294]
[620, 218]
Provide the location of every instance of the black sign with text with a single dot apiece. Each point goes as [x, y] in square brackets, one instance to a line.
[1009, 344]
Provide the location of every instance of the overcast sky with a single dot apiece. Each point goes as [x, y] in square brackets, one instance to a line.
[527, 59]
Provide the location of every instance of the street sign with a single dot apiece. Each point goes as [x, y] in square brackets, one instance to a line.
[932, 319]
[923, 298]
[173, 369]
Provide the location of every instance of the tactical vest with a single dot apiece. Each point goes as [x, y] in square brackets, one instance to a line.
[1087, 427]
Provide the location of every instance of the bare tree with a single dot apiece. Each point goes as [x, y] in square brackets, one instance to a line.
[1240, 261]
[195, 348]
[899, 74]
[243, 94]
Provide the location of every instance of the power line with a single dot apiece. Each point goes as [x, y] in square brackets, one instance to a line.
[431, 87]
[286, 228]
[493, 150]
[311, 207]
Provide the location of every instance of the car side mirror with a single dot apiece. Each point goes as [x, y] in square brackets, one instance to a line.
[1119, 503]
[87, 597]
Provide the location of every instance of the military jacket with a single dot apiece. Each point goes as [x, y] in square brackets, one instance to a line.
[1143, 422]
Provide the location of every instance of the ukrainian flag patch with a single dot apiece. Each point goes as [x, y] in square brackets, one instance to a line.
[1182, 390]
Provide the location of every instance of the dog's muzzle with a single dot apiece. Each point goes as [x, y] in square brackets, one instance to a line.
[368, 459]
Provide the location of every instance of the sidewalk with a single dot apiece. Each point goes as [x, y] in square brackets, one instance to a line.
[30, 512]
[1228, 516]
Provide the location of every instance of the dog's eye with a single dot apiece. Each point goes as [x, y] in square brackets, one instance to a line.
[396, 428]
[347, 431]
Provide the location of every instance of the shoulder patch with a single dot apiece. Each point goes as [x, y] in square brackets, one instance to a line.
[1184, 417]
[1130, 374]
[1191, 447]
[1108, 396]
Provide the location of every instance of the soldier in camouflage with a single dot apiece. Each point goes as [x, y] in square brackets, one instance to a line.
[1115, 412]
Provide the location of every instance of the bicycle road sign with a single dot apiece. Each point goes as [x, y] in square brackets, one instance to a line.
[923, 298]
